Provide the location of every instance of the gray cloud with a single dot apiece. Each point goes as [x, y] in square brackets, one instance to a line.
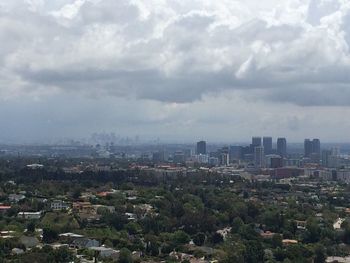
[174, 67]
[175, 52]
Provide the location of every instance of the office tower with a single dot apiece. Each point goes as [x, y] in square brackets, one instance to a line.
[267, 143]
[282, 147]
[201, 147]
[312, 150]
[179, 157]
[236, 153]
[224, 159]
[326, 154]
[335, 151]
[158, 157]
[274, 161]
[256, 141]
[316, 146]
[308, 147]
[259, 157]
[188, 153]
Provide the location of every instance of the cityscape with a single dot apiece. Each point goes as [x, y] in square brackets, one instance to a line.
[173, 131]
[267, 201]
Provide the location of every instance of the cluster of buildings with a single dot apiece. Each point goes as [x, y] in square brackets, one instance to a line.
[262, 152]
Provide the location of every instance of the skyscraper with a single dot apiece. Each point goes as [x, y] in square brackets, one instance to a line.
[236, 152]
[308, 147]
[282, 147]
[256, 141]
[312, 149]
[201, 148]
[316, 146]
[326, 154]
[267, 143]
[259, 157]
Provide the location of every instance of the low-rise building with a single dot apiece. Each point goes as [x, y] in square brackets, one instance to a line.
[29, 215]
[85, 243]
[58, 205]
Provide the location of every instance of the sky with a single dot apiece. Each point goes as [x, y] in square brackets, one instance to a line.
[179, 70]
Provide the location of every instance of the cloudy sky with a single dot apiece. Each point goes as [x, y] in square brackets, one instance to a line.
[180, 70]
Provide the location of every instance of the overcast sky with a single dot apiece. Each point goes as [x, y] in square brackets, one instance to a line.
[180, 70]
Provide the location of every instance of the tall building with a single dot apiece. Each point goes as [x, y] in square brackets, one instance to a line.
[308, 147]
[282, 147]
[179, 157]
[201, 148]
[274, 161]
[259, 157]
[267, 143]
[236, 153]
[312, 150]
[256, 141]
[326, 154]
[188, 153]
[316, 146]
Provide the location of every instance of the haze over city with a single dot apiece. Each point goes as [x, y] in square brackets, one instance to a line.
[176, 70]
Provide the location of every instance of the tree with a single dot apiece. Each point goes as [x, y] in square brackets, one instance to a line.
[254, 252]
[180, 237]
[125, 256]
[63, 255]
[133, 228]
[237, 223]
[216, 238]
[320, 254]
[49, 235]
[31, 227]
[276, 241]
[199, 239]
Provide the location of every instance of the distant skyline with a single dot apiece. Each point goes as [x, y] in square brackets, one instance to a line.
[222, 71]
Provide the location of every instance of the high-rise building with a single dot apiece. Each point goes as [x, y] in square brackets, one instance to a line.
[224, 159]
[308, 147]
[274, 161]
[236, 153]
[201, 147]
[179, 157]
[316, 146]
[282, 147]
[158, 156]
[312, 150]
[335, 151]
[188, 153]
[256, 141]
[267, 143]
[259, 157]
[326, 154]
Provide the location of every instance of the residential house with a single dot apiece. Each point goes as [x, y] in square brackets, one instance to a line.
[29, 242]
[58, 205]
[29, 215]
[15, 198]
[85, 243]
[105, 252]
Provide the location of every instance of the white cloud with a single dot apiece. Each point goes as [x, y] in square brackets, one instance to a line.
[177, 53]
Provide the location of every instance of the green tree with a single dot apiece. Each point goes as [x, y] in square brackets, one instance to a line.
[181, 238]
[199, 239]
[49, 235]
[125, 256]
[276, 241]
[237, 223]
[31, 227]
[320, 254]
